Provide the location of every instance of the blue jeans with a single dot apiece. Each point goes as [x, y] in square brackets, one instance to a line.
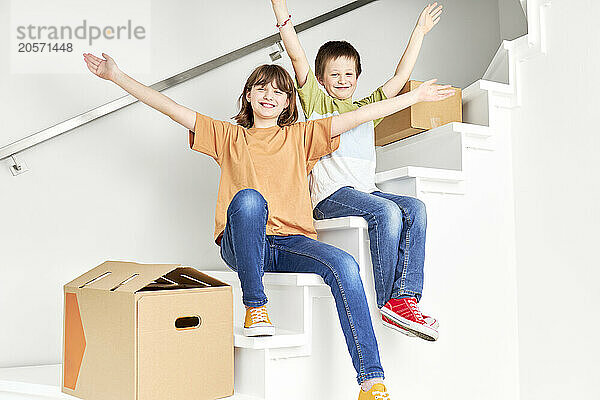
[247, 249]
[397, 226]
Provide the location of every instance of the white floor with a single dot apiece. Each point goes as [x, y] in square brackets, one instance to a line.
[36, 382]
[42, 382]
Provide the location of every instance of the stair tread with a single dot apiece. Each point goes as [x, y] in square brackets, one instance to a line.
[449, 175]
[272, 278]
[333, 224]
[483, 85]
[450, 128]
[480, 130]
[282, 338]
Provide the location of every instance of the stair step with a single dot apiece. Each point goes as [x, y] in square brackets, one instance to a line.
[483, 95]
[479, 87]
[294, 333]
[282, 339]
[441, 148]
[410, 181]
[420, 172]
[308, 284]
[271, 278]
[335, 224]
[42, 382]
[473, 130]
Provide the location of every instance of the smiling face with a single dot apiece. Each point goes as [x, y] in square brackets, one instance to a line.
[339, 77]
[268, 98]
[267, 101]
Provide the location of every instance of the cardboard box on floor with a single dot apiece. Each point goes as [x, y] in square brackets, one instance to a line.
[418, 118]
[147, 332]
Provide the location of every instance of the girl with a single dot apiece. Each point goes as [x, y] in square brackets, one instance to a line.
[263, 218]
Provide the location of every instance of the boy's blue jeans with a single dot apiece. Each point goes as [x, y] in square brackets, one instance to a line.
[247, 249]
[397, 226]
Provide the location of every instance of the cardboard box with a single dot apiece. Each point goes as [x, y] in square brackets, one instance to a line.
[147, 332]
[418, 118]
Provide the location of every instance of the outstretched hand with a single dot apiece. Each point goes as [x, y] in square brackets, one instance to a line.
[104, 68]
[427, 91]
[429, 17]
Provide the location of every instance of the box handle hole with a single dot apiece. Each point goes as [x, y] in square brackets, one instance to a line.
[188, 322]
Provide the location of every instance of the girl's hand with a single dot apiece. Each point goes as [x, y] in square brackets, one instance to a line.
[104, 68]
[429, 17]
[427, 91]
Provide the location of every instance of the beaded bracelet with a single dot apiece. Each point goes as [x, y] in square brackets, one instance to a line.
[284, 22]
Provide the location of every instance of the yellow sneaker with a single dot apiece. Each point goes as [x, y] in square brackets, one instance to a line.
[257, 322]
[377, 392]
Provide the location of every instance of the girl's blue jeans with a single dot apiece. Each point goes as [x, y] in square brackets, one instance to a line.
[247, 249]
[397, 226]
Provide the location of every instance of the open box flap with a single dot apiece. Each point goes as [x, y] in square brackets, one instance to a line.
[121, 276]
[186, 275]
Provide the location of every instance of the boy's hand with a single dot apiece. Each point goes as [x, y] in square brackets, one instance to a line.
[427, 91]
[105, 69]
[428, 18]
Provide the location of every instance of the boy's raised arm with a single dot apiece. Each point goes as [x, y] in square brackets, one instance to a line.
[427, 20]
[291, 41]
[107, 69]
[425, 92]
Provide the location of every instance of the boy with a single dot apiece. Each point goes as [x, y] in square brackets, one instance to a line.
[343, 183]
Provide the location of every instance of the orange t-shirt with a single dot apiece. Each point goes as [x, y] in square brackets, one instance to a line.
[275, 161]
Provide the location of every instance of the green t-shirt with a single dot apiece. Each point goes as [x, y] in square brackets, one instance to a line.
[353, 163]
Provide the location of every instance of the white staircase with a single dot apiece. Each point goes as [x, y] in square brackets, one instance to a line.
[462, 171]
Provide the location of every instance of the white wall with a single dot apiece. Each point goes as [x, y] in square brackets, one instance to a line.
[557, 193]
[126, 186]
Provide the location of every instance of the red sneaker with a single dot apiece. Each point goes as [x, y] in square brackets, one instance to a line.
[391, 324]
[404, 315]
[432, 322]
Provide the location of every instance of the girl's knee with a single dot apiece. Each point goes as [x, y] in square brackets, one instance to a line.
[346, 271]
[418, 213]
[247, 201]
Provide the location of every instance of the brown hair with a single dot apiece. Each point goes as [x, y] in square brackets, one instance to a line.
[332, 50]
[264, 75]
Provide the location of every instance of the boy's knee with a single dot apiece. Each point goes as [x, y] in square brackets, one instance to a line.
[390, 215]
[248, 201]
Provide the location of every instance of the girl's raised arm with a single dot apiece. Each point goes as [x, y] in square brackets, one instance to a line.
[291, 41]
[425, 92]
[107, 69]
